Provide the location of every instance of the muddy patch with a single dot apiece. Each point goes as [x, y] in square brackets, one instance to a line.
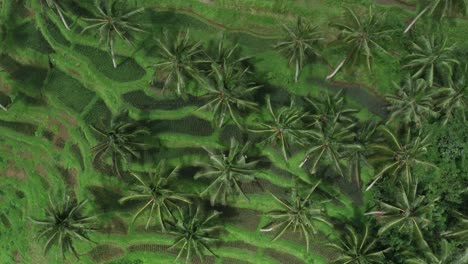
[61, 135]
[69, 176]
[41, 170]
[13, 171]
[103, 253]
[115, 226]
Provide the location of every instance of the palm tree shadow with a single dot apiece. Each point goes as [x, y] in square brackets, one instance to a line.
[362, 95]
[106, 198]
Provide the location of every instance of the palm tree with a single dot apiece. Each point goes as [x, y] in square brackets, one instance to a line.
[119, 142]
[113, 21]
[460, 229]
[429, 257]
[431, 59]
[179, 59]
[285, 128]
[407, 213]
[357, 156]
[440, 9]
[412, 103]
[158, 194]
[453, 100]
[227, 172]
[332, 108]
[362, 38]
[329, 141]
[64, 224]
[401, 156]
[358, 248]
[228, 57]
[228, 94]
[57, 6]
[299, 44]
[194, 233]
[297, 214]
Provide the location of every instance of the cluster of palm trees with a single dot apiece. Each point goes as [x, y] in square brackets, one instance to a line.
[324, 130]
[111, 21]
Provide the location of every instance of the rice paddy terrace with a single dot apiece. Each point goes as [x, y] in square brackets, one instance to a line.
[58, 83]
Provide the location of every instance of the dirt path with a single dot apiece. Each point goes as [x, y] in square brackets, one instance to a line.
[213, 23]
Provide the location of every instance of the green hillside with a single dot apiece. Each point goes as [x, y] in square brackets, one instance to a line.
[358, 133]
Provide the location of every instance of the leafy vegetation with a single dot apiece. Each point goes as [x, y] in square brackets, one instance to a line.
[64, 224]
[112, 22]
[239, 162]
[229, 93]
[178, 59]
[296, 214]
[285, 128]
[431, 57]
[227, 172]
[413, 103]
[300, 43]
[118, 142]
[157, 194]
[362, 38]
[194, 233]
[401, 156]
[358, 247]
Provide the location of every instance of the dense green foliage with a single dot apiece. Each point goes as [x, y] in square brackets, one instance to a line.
[256, 154]
[64, 224]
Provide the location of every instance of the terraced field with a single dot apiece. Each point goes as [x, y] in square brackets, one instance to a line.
[58, 83]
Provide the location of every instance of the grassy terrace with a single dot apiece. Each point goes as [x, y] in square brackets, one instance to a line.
[46, 136]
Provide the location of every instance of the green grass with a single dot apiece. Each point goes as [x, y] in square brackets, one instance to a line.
[84, 89]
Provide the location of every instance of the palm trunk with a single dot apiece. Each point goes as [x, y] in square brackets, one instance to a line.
[416, 19]
[331, 75]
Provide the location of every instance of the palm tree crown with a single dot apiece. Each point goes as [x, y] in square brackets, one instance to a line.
[228, 57]
[358, 155]
[179, 58]
[229, 93]
[453, 100]
[442, 256]
[113, 21]
[460, 229]
[285, 128]
[194, 233]
[329, 141]
[331, 131]
[412, 103]
[119, 142]
[227, 172]
[297, 214]
[440, 9]
[431, 59]
[331, 108]
[407, 213]
[358, 248]
[157, 193]
[299, 43]
[401, 156]
[64, 224]
[362, 37]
